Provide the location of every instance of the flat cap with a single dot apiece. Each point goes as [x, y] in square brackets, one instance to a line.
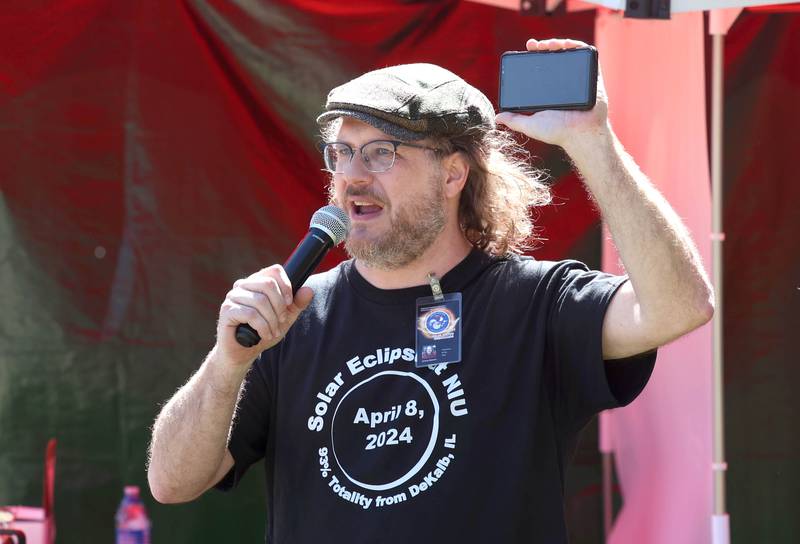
[411, 102]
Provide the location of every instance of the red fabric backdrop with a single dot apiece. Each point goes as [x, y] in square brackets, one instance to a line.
[153, 152]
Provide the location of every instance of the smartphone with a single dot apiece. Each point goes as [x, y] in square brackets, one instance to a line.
[533, 81]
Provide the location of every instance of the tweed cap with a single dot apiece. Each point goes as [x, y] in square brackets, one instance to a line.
[411, 102]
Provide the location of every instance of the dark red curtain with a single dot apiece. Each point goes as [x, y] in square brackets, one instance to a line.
[762, 275]
[152, 153]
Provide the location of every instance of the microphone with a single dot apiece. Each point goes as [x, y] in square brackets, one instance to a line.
[329, 226]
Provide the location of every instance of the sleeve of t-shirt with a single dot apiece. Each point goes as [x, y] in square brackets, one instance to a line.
[585, 383]
[248, 438]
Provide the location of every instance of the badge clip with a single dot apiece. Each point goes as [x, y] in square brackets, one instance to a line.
[435, 287]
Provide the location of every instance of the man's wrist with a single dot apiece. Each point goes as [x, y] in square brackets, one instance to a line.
[224, 377]
[585, 145]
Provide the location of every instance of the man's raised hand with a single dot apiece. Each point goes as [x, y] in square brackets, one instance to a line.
[558, 127]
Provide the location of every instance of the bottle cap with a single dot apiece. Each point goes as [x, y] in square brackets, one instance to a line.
[132, 490]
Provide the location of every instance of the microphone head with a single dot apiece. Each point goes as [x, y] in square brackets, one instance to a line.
[333, 221]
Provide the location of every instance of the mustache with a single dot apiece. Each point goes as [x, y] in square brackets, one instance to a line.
[351, 192]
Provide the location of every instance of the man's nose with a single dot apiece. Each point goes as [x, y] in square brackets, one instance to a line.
[355, 170]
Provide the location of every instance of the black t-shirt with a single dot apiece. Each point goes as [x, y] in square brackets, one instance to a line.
[360, 445]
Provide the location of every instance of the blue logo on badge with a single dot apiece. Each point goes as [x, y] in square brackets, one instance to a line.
[437, 321]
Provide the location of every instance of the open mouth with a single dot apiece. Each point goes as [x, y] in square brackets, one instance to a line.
[363, 209]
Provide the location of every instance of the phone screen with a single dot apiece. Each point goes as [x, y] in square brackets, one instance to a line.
[548, 80]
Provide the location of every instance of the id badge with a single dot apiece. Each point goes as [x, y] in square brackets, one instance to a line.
[438, 330]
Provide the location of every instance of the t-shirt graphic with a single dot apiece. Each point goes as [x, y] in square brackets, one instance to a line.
[383, 437]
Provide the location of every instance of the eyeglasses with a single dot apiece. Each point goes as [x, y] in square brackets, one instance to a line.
[378, 155]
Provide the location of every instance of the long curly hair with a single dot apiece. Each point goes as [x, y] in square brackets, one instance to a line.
[502, 186]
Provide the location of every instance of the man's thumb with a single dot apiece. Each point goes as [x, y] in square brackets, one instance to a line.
[301, 300]
[511, 120]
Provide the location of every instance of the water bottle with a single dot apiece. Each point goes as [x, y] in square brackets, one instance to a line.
[133, 526]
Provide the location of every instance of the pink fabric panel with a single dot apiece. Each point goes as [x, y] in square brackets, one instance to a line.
[654, 75]
[721, 20]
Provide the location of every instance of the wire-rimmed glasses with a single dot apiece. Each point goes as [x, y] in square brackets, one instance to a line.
[377, 155]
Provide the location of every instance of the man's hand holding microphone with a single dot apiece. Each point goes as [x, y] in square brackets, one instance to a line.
[188, 453]
[265, 302]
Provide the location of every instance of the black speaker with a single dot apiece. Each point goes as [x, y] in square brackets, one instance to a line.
[647, 9]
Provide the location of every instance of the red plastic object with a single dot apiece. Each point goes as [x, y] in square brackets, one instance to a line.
[37, 524]
[48, 495]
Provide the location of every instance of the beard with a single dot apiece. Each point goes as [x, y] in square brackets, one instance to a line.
[412, 230]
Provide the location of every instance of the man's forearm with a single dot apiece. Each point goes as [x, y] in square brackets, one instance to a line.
[659, 256]
[191, 432]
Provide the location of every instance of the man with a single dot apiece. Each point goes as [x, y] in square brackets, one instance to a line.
[362, 442]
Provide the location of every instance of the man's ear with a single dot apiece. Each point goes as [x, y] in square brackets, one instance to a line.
[456, 168]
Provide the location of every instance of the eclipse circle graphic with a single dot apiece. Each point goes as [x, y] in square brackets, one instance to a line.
[384, 429]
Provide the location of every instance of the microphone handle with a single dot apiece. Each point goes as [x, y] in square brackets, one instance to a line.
[299, 266]
[306, 257]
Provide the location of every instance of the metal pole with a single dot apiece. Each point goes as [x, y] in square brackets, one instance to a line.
[720, 529]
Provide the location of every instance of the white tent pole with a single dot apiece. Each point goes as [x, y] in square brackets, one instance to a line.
[720, 529]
